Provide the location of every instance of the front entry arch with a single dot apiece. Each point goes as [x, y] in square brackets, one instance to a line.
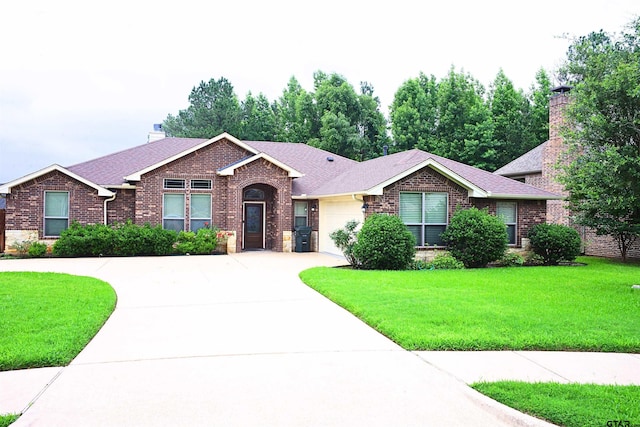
[254, 225]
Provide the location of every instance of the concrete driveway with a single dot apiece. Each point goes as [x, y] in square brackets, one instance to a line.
[238, 340]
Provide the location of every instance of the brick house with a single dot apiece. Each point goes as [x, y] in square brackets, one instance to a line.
[259, 192]
[538, 168]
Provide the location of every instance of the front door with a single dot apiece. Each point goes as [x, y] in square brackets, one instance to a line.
[253, 225]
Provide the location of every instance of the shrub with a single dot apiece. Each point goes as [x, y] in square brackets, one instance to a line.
[475, 237]
[22, 248]
[37, 250]
[384, 243]
[126, 239]
[345, 238]
[554, 242]
[201, 243]
[446, 261]
[511, 259]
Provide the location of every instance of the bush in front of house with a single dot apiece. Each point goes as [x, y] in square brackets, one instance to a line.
[345, 239]
[126, 239]
[511, 259]
[475, 237]
[554, 242]
[37, 250]
[203, 242]
[384, 243]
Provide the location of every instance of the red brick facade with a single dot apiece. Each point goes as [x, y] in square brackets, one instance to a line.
[529, 212]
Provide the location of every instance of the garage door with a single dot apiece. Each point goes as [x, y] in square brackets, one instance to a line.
[334, 214]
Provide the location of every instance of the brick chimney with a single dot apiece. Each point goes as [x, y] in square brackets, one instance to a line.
[557, 213]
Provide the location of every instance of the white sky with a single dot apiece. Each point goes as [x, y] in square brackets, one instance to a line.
[78, 80]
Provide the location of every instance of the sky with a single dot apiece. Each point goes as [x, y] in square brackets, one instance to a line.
[80, 79]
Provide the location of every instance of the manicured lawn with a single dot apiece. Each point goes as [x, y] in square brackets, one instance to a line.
[571, 405]
[579, 308]
[46, 319]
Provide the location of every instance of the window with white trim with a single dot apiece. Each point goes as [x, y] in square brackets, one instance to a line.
[173, 211]
[173, 184]
[508, 212]
[200, 209]
[425, 215]
[300, 215]
[56, 212]
[201, 184]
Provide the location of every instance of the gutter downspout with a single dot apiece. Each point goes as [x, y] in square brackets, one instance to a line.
[110, 199]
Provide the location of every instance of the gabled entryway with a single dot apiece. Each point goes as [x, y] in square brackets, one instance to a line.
[257, 216]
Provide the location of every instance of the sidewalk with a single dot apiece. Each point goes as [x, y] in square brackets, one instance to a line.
[238, 340]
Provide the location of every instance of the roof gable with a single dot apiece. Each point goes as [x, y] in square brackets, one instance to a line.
[230, 170]
[6, 188]
[136, 176]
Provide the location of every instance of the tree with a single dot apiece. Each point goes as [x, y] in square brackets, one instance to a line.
[539, 110]
[296, 114]
[214, 109]
[414, 115]
[603, 178]
[464, 130]
[258, 121]
[510, 115]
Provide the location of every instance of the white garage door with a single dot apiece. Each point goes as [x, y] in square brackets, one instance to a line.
[334, 214]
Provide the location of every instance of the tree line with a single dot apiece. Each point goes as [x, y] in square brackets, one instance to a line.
[454, 117]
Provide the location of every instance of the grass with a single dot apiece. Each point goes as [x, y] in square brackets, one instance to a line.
[571, 405]
[577, 308]
[7, 419]
[46, 319]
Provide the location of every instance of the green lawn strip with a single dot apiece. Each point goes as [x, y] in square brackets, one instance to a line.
[7, 419]
[579, 308]
[570, 405]
[46, 319]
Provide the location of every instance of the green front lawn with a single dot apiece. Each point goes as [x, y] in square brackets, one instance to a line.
[579, 308]
[571, 405]
[46, 319]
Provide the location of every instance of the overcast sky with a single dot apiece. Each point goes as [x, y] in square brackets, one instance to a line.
[81, 79]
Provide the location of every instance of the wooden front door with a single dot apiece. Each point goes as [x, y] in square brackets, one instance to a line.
[253, 225]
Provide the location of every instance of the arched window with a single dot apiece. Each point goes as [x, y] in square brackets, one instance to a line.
[253, 194]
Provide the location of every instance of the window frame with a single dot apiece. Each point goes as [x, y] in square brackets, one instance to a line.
[177, 184]
[165, 217]
[305, 216]
[201, 184]
[513, 224]
[46, 218]
[204, 220]
[424, 221]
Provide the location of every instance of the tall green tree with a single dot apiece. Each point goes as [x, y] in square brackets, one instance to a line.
[414, 114]
[510, 113]
[603, 179]
[296, 114]
[464, 129]
[372, 125]
[538, 96]
[258, 121]
[214, 108]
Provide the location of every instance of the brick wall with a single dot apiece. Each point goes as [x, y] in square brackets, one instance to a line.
[25, 204]
[530, 212]
[123, 207]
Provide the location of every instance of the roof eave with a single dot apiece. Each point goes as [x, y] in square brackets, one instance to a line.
[102, 192]
[474, 190]
[230, 170]
[525, 196]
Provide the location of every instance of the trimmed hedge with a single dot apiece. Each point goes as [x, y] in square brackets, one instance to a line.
[125, 239]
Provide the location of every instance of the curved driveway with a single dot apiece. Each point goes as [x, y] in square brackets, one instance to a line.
[238, 340]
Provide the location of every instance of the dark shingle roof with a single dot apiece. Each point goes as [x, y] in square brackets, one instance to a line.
[367, 175]
[322, 176]
[529, 162]
[111, 169]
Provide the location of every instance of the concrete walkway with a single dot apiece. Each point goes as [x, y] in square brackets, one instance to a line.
[238, 340]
